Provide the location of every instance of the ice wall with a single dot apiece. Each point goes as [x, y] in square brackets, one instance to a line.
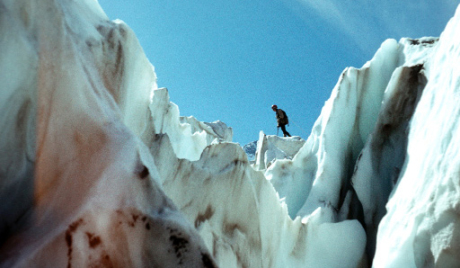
[421, 228]
[78, 186]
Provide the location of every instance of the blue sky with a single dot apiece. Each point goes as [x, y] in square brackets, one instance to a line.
[231, 60]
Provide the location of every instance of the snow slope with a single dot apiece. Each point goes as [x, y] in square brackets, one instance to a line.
[98, 168]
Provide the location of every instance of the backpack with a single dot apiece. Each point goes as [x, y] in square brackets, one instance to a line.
[285, 120]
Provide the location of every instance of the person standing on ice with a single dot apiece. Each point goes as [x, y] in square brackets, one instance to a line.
[281, 119]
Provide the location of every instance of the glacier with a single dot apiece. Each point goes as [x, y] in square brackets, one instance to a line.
[98, 168]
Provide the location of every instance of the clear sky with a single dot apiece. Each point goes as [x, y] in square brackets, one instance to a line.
[230, 60]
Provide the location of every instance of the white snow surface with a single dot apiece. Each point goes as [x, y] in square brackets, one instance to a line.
[98, 168]
[272, 148]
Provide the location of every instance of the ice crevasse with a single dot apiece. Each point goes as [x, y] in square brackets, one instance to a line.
[97, 167]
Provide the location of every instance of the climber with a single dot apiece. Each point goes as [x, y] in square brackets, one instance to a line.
[282, 120]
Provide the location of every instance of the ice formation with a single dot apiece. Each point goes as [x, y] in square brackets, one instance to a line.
[78, 185]
[97, 167]
[272, 148]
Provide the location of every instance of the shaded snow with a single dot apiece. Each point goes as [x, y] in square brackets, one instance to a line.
[421, 227]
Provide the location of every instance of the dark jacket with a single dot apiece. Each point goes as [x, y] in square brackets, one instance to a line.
[281, 117]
